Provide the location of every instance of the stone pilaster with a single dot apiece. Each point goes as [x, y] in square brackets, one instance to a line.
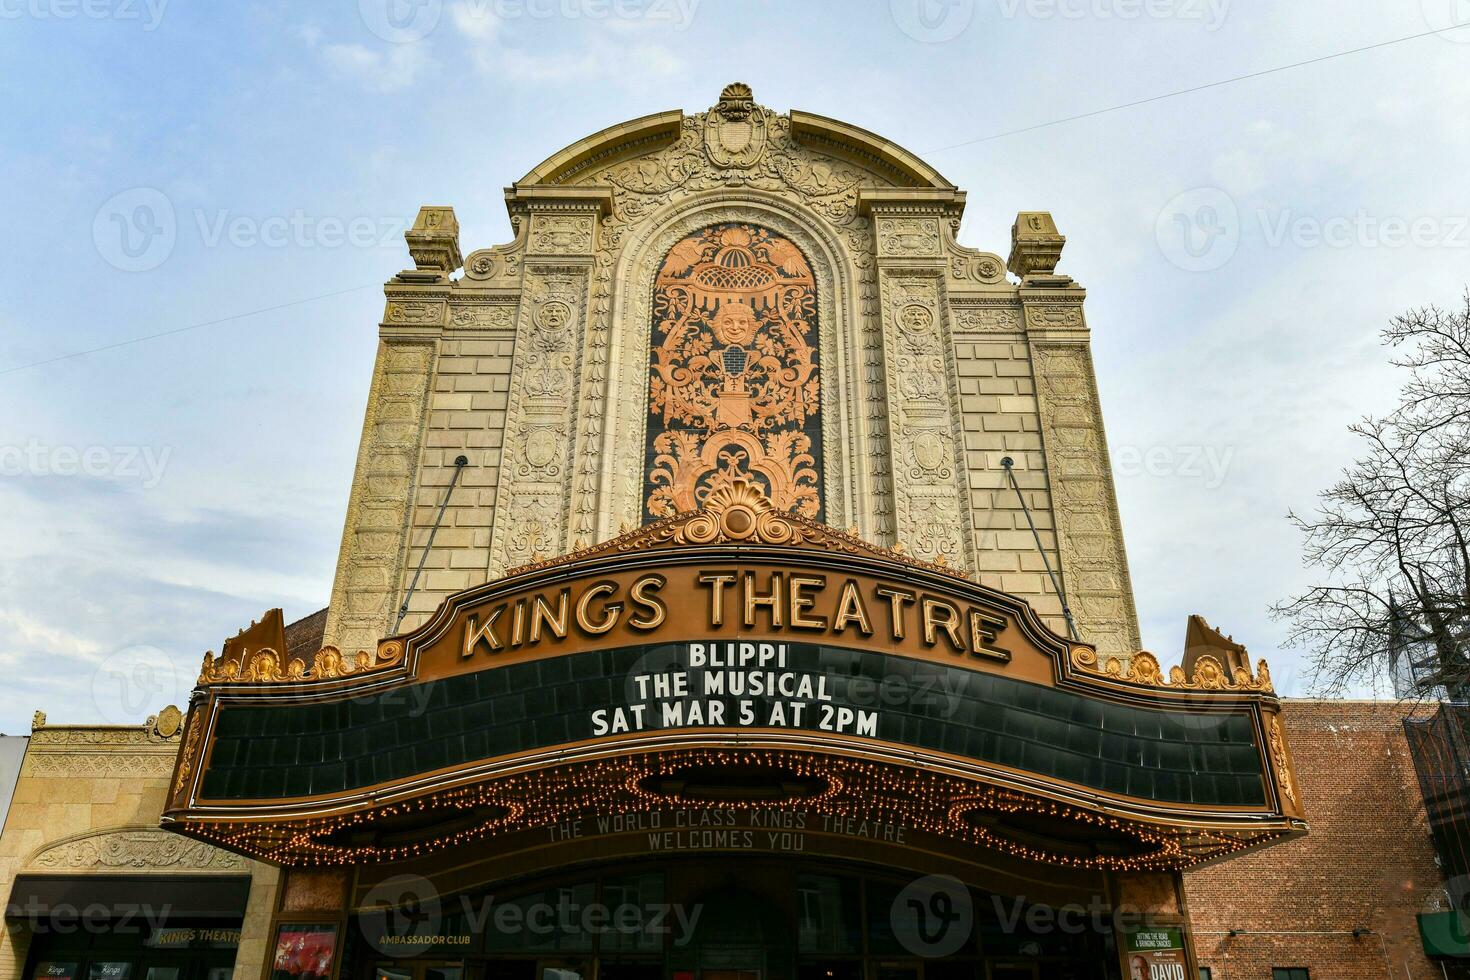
[254, 950]
[533, 505]
[1079, 474]
[929, 485]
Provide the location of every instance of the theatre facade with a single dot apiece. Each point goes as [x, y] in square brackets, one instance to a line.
[732, 588]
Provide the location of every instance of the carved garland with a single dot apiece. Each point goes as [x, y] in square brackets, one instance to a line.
[134, 849]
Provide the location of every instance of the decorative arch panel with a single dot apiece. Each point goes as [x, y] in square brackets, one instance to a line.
[734, 379]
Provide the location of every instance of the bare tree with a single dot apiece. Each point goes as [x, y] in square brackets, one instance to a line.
[1392, 537]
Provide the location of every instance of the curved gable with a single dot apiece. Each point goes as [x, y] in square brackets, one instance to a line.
[738, 134]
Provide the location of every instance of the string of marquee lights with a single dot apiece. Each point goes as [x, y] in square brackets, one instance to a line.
[853, 789]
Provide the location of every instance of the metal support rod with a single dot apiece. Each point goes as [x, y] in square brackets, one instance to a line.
[1056, 585]
[460, 462]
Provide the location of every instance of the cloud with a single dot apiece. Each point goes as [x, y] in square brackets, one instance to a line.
[476, 21]
[606, 56]
[398, 69]
[110, 593]
[311, 34]
[603, 61]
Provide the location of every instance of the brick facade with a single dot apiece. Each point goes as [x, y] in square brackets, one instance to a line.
[1369, 861]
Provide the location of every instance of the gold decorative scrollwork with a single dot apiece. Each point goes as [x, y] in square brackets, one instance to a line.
[189, 754]
[1143, 668]
[1278, 757]
[329, 663]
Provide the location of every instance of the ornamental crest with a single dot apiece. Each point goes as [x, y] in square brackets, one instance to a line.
[734, 387]
[735, 129]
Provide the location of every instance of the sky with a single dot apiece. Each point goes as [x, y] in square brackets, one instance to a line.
[233, 182]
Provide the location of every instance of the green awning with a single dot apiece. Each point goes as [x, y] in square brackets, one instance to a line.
[1445, 933]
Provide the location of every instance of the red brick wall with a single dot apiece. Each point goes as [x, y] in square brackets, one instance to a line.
[1368, 862]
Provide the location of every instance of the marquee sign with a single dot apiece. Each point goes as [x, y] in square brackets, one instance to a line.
[739, 657]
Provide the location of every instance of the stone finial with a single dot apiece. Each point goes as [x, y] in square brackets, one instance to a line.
[1035, 244]
[737, 101]
[433, 241]
[38, 720]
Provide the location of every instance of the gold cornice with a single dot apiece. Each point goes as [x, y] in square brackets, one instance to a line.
[269, 666]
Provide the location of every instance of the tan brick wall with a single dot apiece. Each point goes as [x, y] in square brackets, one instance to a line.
[467, 415]
[1368, 862]
[999, 415]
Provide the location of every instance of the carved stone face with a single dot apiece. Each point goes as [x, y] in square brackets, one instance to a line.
[735, 323]
[916, 318]
[553, 316]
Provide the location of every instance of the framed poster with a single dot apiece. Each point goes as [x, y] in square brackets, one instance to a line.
[304, 951]
[1156, 954]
